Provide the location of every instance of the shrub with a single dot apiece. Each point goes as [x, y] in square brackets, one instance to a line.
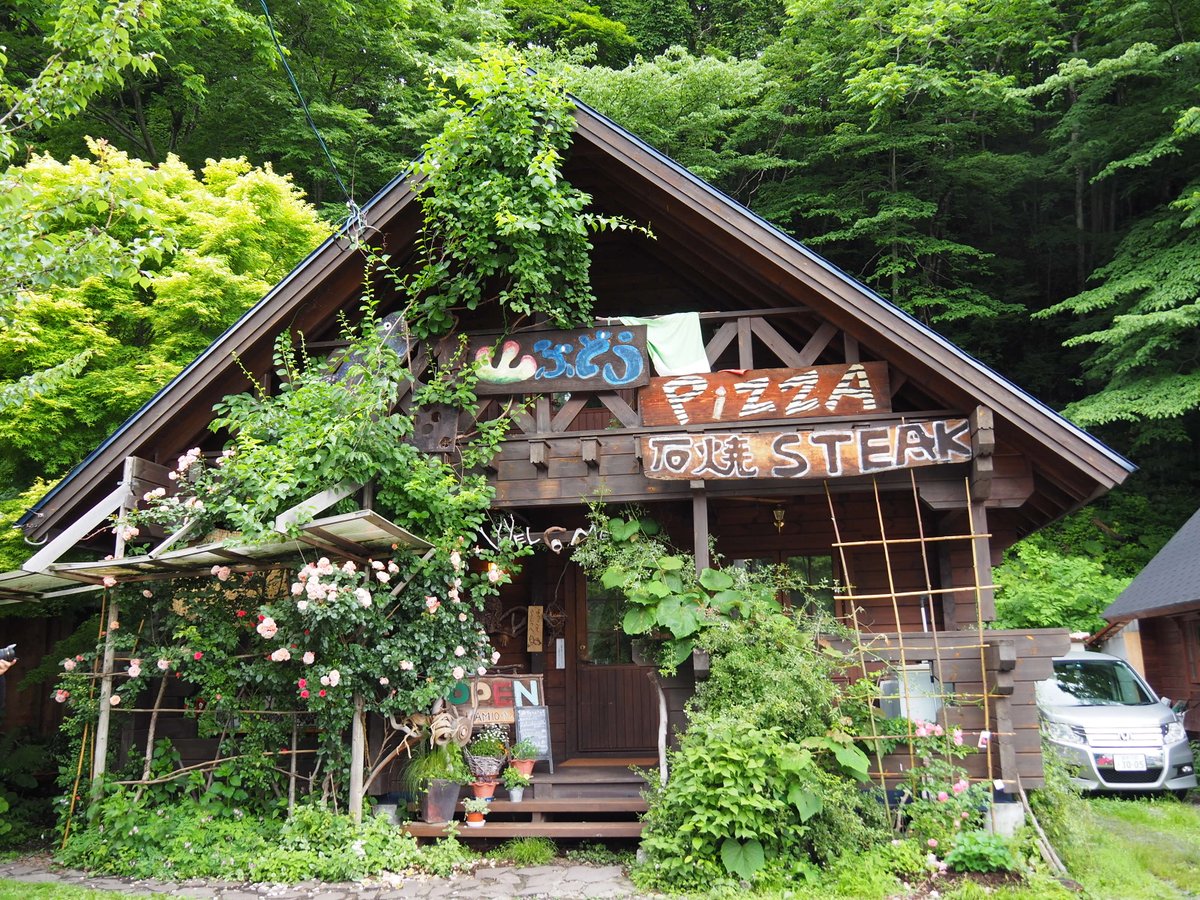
[981, 851]
[530, 851]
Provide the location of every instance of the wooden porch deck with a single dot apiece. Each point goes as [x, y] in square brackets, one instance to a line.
[580, 802]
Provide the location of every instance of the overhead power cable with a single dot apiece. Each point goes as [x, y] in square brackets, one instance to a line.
[354, 224]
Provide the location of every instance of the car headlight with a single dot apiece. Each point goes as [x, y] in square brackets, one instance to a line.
[1065, 734]
[1173, 733]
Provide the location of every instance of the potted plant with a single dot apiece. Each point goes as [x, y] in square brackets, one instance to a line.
[476, 810]
[483, 788]
[524, 755]
[515, 783]
[437, 775]
[486, 753]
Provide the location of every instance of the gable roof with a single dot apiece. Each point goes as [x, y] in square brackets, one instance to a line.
[705, 230]
[1170, 581]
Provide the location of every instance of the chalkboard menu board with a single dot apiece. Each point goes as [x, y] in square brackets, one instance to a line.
[533, 725]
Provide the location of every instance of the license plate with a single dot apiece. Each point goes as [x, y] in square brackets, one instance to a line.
[1129, 762]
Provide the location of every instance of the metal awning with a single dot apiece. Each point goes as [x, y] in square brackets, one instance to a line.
[355, 535]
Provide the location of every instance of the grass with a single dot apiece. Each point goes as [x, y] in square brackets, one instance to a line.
[1138, 850]
[21, 890]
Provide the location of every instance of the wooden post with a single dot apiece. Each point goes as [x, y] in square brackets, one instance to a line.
[700, 524]
[357, 758]
[100, 755]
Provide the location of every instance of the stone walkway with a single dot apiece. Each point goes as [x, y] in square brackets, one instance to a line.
[567, 881]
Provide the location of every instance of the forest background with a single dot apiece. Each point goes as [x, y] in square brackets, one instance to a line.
[1022, 175]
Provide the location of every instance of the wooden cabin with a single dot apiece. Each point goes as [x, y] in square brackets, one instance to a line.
[1155, 622]
[824, 429]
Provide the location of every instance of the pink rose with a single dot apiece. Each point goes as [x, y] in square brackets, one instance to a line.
[114, 700]
[943, 796]
[109, 581]
[308, 657]
[458, 672]
[61, 696]
[432, 604]
[164, 664]
[69, 664]
[932, 842]
[267, 627]
[957, 737]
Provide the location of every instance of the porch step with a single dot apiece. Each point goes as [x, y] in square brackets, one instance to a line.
[589, 783]
[577, 805]
[581, 830]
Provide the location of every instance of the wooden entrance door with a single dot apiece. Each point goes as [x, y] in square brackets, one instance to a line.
[615, 706]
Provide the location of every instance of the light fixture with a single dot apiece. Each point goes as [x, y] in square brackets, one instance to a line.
[778, 513]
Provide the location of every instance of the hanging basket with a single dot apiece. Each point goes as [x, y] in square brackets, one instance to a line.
[484, 766]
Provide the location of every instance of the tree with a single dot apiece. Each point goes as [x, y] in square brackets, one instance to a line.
[170, 260]
[90, 43]
[569, 25]
[892, 108]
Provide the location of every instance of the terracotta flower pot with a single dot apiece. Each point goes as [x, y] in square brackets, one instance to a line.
[475, 820]
[484, 790]
[524, 766]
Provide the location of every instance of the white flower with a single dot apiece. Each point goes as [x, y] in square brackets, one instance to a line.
[114, 700]
[495, 656]
[460, 650]
[297, 587]
[109, 581]
[456, 560]
[164, 664]
[302, 605]
[308, 657]
[335, 677]
[349, 567]
[364, 597]
[325, 680]
[69, 664]
[383, 576]
[458, 672]
[267, 628]
[147, 593]
[392, 567]
[135, 671]
[462, 617]
[384, 681]
[406, 665]
[482, 670]
[281, 655]
[376, 565]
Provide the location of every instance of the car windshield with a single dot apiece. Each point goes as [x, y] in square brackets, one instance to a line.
[1098, 682]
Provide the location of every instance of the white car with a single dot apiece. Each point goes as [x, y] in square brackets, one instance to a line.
[1112, 730]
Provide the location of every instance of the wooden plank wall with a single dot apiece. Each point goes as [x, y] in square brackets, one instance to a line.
[1171, 652]
[1015, 662]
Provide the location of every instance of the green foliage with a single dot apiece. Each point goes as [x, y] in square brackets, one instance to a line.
[140, 838]
[981, 851]
[530, 851]
[571, 24]
[599, 855]
[443, 762]
[941, 803]
[524, 750]
[1039, 587]
[87, 44]
[665, 598]
[698, 110]
[116, 275]
[501, 224]
[511, 778]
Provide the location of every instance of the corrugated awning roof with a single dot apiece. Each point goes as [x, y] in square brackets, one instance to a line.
[354, 535]
[1170, 581]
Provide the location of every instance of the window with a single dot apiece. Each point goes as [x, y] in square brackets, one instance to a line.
[813, 569]
[607, 644]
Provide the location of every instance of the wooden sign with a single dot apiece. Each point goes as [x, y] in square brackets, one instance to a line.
[533, 725]
[839, 390]
[807, 453]
[534, 630]
[495, 698]
[593, 359]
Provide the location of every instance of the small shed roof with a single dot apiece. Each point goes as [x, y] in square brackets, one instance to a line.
[1169, 583]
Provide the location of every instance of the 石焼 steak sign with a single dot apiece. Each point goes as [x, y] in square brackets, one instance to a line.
[831, 452]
